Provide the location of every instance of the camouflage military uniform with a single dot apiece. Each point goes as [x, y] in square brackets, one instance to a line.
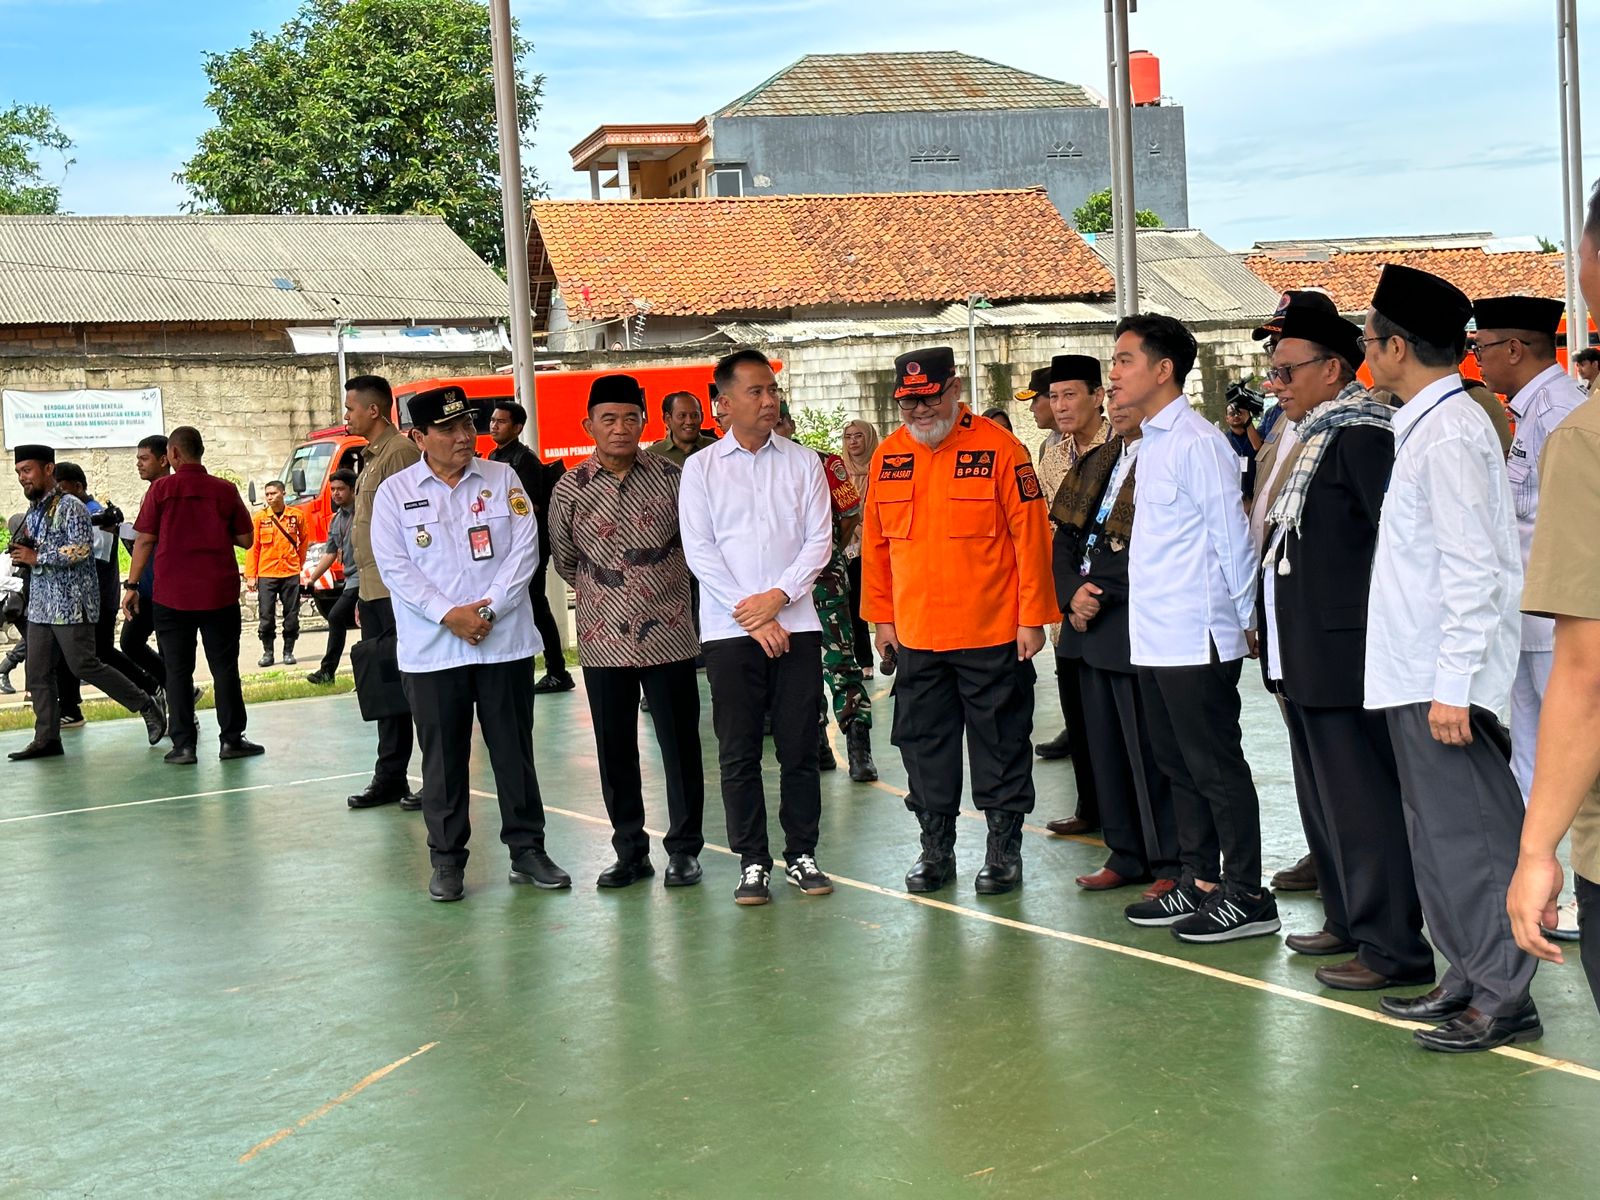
[831, 595]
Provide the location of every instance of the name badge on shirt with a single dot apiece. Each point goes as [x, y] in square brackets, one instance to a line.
[481, 544]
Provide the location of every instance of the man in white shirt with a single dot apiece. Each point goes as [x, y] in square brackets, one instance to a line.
[1442, 633]
[1516, 351]
[1192, 593]
[455, 539]
[757, 530]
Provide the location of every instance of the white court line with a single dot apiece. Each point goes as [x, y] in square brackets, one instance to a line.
[1515, 1052]
[259, 787]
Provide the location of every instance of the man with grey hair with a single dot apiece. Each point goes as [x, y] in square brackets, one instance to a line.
[1442, 636]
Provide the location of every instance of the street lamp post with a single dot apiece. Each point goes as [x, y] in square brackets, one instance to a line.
[513, 214]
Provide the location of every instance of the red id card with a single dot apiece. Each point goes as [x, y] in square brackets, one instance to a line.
[482, 546]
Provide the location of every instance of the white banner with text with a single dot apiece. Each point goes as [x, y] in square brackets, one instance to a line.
[84, 419]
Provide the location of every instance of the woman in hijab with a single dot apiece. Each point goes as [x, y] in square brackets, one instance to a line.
[860, 440]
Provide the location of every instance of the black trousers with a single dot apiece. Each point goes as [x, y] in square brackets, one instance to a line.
[218, 631]
[51, 645]
[1355, 825]
[269, 593]
[544, 620]
[1589, 931]
[1069, 686]
[341, 619]
[674, 695]
[987, 693]
[394, 733]
[1136, 815]
[68, 685]
[1194, 731]
[443, 703]
[860, 630]
[745, 684]
[135, 641]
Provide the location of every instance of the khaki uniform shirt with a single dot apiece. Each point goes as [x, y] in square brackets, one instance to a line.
[1563, 577]
[668, 449]
[388, 454]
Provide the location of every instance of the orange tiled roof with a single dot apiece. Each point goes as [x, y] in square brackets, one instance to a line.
[1350, 277]
[774, 253]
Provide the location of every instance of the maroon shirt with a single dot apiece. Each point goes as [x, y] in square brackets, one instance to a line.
[194, 516]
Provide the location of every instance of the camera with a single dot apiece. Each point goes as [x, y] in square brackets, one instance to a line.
[24, 542]
[109, 517]
[1241, 397]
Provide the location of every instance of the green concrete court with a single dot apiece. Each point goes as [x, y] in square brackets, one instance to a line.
[219, 982]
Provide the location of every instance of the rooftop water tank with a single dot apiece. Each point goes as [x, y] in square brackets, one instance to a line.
[1144, 77]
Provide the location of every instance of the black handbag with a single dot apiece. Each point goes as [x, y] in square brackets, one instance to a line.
[377, 672]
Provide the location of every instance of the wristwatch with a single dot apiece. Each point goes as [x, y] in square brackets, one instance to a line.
[130, 586]
[487, 614]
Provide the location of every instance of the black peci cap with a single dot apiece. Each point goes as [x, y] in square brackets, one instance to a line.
[615, 389]
[35, 453]
[1432, 308]
[1533, 313]
[1328, 330]
[1075, 368]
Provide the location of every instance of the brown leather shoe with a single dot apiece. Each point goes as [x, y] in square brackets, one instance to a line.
[1302, 877]
[1071, 827]
[1159, 889]
[1356, 976]
[1320, 942]
[1103, 880]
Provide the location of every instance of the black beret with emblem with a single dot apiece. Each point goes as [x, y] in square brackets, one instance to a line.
[1422, 304]
[1075, 368]
[439, 405]
[923, 372]
[1294, 298]
[1038, 382]
[1328, 330]
[615, 389]
[35, 453]
[1532, 313]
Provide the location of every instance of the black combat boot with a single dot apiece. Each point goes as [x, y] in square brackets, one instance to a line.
[825, 759]
[1002, 863]
[858, 742]
[937, 866]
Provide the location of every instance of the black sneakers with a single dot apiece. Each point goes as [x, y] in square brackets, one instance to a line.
[155, 721]
[447, 883]
[752, 887]
[1228, 914]
[240, 747]
[803, 873]
[538, 868]
[1182, 901]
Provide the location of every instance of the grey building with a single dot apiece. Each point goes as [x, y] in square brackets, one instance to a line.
[904, 122]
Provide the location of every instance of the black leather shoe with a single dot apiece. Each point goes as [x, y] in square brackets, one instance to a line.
[447, 884]
[37, 750]
[240, 748]
[155, 722]
[552, 683]
[538, 868]
[182, 756]
[620, 873]
[1002, 861]
[1437, 1005]
[377, 793]
[1059, 746]
[1320, 942]
[1474, 1030]
[683, 870]
[411, 801]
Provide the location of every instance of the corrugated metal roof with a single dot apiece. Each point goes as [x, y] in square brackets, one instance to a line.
[950, 319]
[1186, 275]
[931, 81]
[290, 269]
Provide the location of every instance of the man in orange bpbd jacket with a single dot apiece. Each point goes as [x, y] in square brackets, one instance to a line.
[955, 573]
[272, 570]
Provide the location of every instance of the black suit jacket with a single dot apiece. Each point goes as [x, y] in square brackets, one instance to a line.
[1066, 552]
[1321, 605]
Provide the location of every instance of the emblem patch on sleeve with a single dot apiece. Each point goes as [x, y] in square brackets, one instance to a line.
[975, 464]
[519, 503]
[1028, 483]
[897, 466]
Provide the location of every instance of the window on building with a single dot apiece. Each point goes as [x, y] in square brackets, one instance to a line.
[727, 181]
[1063, 150]
[934, 154]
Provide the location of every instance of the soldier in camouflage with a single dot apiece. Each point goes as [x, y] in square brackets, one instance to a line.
[852, 706]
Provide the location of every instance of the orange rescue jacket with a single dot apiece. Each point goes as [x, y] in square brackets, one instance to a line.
[280, 545]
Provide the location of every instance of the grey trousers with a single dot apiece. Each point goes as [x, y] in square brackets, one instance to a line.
[1464, 819]
[75, 644]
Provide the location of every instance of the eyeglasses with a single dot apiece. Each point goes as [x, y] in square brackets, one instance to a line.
[912, 403]
[1285, 374]
[1367, 343]
[1478, 348]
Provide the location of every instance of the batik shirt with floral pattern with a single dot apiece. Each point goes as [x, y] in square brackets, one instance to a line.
[62, 589]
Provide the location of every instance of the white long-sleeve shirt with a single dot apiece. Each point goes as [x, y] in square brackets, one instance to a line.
[1442, 620]
[1541, 405]
[1191, 568]
[423, 542]
[752, 522]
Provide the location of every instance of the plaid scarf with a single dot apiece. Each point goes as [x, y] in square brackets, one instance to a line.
[1353, 405]
[1078, 499]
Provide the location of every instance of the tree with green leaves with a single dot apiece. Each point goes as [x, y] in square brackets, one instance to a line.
[26, 132]
[1094, 215]
[363, 106]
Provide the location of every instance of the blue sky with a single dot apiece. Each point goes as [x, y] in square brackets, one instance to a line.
[1304, 120]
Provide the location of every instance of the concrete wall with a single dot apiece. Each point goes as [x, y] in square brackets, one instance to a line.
[873, 152]
[251, 408]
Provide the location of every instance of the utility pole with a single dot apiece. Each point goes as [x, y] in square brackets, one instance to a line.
[1571, 176]
[514, 214]
[1119, 98]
